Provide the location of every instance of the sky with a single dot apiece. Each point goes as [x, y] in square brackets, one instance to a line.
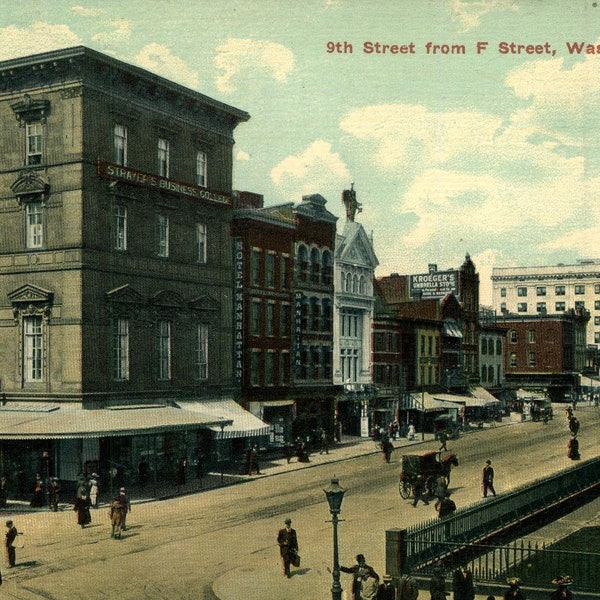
[485, 142]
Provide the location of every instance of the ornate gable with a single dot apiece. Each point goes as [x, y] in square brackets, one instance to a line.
[204, 303]
[30, 293]
[30, 185]
[168, 299]
[124, 295]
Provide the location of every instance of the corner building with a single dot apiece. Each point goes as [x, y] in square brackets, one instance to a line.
[115, 267]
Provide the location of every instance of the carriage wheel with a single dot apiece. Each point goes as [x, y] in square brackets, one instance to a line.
[405, 490]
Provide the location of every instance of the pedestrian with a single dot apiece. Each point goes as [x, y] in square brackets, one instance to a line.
[37, 500]
[443, 437]
[11, 536]
[199, 464]
[573, 448]
[117, 516]
[288, 452]
[359, 571]
[126, 506]
[324, 441]
[574, 425]
[387, 448]
[53, 493]
[462, 584]
[487, 480]
[562, 591]
[418, 489]
[440, 489]
[94, 488]
[411, 433]
[369, 588]
[4, 491]
[82, 508]
[407, 589]
[254, 466]
[180, 478]
[514, 589]
[287, 540]
[387, 590]
[446, 507]
[437, 584]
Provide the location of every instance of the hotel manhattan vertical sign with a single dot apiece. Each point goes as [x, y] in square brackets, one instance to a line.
[238, 310]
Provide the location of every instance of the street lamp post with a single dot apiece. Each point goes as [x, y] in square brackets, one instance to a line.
[335, 495]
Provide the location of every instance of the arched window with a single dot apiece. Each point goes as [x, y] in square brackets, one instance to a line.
[348, 284]
[362, 286]
[327, 265]
[315, 265]
[491, 347]
[302, 266]
[490, 374]
[355, 284]
[499, 347]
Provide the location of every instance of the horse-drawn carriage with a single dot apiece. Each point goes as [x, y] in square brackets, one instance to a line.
[430, 465]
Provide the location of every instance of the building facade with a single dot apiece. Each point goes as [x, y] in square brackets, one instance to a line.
[115, 265]
[551, 290]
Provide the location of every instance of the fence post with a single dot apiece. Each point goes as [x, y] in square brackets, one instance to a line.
[395, 552]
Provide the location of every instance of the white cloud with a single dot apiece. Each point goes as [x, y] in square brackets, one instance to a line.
[241, 155]
[38, 37]
[121, 31]
[248, 56]
[158, 58]
[317, 170]
[468, 13]
[82, 11]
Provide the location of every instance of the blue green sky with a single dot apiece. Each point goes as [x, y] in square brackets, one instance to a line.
[491, 154]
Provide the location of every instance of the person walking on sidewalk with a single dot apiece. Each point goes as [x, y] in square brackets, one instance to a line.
[126, 503]
[288, 546]
[462, 584]
[487, 480]
[11, 536]
[418, 491]
[443, 437]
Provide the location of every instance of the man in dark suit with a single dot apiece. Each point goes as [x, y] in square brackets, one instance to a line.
[360, 571]
[462, 584]
[288, 546]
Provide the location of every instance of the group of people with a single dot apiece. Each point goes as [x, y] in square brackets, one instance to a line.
[573, 442]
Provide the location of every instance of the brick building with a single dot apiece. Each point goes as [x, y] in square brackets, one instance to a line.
[115, 266]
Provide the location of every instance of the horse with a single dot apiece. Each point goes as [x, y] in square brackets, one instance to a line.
[116, 517]
[446, 465]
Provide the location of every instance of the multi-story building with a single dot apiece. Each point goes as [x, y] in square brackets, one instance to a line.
[550, 290]
[354, 270]
[545, 352]
[115, 266]
[284, 313]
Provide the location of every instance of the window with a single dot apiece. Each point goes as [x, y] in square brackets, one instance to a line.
[484, 346]
[270, 269]
[270, 368]
[255, 317]
[560, 306]
[522, 291]
[522, 307]
[201, 169]
[499, 347]
[513, 359]
[580, 290]
[255, 267]
[120, 227]
[540, 291]
[597, 288]
[502, 292]
[541, 307]
[162, 226]
[270, 318]
[284, 261]
[597, 338]
[34, 143]
[121, 350]
[35, 225]
[285, 311]
[255, 367]
[559, 290]
[596, 320]
[202, 351]
[503, 308]
[531, 359]
[201, 238]
[120, 145]
[531, 336]
[512, 336]
[597, 304]
[163, 157]
[164, 350]
[327, 268]
[579, 304]
[32, 349]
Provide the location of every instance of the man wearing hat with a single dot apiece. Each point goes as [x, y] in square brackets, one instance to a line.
[407, 588]
[126, 504]
[562, 592]
[11, 535]
[514, 592]
[487, 480]
[360, 571]
[288, 546]
[387, 591]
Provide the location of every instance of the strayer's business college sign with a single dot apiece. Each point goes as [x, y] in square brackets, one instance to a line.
[435, 284]
[114, 172]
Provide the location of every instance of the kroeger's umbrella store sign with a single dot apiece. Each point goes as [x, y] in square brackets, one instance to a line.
[114, 172]
[434, 284]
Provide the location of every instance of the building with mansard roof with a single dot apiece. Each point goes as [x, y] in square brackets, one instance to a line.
[115, 268]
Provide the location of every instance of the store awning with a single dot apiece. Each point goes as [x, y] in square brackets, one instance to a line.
[451, 329]
[29, 421]
[483, 397]
[243, 423]
[431, 403]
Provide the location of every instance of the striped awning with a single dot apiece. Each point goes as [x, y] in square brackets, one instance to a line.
[29, 421]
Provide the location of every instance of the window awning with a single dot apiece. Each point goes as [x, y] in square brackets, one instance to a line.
[242, 422]
[28, 421]
[451, 329]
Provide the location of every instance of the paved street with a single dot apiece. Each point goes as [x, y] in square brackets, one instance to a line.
[221, 543]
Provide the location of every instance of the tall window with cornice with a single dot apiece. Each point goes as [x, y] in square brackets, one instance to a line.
[34, 225]
[120, 144]
[164, 350]
[201, 169]
[120, 343]
[202, 351]
[201, 238]
[35, 137]
[120, 227]
[163, 157]
[32, 349]
[162, 231]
